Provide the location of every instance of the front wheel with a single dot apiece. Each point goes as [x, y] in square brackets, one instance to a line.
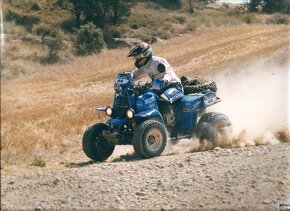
[149, 139]
[94, 145]
[214, 127]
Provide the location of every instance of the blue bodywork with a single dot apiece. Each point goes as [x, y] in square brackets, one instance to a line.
[144, 102]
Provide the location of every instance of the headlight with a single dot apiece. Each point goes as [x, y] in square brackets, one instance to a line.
[130, 113]
[109, 111]
[118, 88]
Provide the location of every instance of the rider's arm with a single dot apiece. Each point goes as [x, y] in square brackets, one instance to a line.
[169, 75]
[138, 74]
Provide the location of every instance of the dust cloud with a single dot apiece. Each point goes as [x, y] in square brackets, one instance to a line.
[255, 97]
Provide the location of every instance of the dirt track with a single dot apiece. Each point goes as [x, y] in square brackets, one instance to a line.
[249, 178]
[241, 179]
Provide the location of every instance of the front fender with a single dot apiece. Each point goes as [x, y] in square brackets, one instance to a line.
[117, 122]
[140, 117]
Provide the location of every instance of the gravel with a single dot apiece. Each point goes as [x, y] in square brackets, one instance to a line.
[251, 178]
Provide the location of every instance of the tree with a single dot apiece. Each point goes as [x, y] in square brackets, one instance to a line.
[120, 9]
[74, 7]
[270, 6]
[99, 12]
[253, 4]
[103, 12]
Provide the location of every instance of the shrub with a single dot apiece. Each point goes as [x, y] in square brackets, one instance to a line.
[89, 39]
[250, 18]
[54, 45]
[25, 20]
[278, 19]
[44, 30]
[38, 162]
[134, 26]
[226, 6]
[180, 18]
[52, 38]
[172, 4]
[234, 11]
[109, 34]
[192, 25]
[68, 25]
[35, 6]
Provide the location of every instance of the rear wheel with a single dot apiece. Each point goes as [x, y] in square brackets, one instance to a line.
[213, 127]
[94, 145]
[149, 139]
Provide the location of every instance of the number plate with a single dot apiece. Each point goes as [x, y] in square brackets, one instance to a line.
[209, 99]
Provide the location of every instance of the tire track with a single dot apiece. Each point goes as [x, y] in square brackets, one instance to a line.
[213, 55]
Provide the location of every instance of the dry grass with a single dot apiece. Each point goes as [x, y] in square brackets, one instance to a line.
[50, 109]
[45, 114]
[146, 21]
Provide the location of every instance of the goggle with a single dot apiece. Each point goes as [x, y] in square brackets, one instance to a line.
[139, 56]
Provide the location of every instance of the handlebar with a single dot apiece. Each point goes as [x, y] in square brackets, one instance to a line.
[142, 84]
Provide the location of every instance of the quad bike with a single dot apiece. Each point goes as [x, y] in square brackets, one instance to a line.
[141, 117]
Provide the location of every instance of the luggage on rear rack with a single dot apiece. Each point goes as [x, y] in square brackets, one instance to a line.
[197, 85]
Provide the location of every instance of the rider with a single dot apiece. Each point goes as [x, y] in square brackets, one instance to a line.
[156, 68]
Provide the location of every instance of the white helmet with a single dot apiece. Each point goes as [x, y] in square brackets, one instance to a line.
[142, 53]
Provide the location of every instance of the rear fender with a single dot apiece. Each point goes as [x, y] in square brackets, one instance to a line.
[188, 107]
[210, 99]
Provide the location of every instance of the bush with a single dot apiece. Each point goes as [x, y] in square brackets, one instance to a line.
[54, 45]
[250, 18]
[278, 19]
[38, 162]
[44, 30]
[180, 18]
[25, 20]
[169, 4]
[68, 25]
[52, 38]
[89, 40]
[192, 25]
[35, 6]
[234, 11]
[109, 34]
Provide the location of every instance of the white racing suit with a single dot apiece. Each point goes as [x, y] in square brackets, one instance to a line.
[173, 89]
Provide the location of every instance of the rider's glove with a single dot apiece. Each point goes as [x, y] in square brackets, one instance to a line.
[164, 84]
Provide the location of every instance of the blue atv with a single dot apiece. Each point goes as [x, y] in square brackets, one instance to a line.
[140, 116]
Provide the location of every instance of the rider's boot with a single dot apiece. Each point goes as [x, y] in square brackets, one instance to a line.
[170, 122]
[170, 118]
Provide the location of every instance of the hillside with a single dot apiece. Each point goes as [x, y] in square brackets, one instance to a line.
[26, 50]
